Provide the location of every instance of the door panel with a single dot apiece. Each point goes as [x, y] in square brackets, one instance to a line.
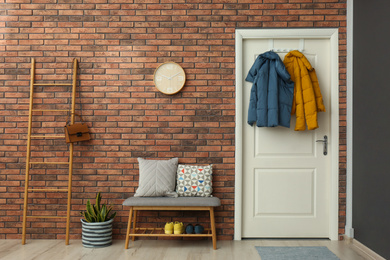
[285, 173]
[282, 192]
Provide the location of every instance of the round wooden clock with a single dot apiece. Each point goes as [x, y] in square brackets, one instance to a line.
[169, 78]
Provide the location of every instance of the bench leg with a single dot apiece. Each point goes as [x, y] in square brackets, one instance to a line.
[134, 224]
[128, 228]
[213, 233]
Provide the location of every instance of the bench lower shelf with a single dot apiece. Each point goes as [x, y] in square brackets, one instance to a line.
[159, 232]
[133, 231]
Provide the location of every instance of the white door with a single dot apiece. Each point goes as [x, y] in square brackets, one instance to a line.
[285, 174]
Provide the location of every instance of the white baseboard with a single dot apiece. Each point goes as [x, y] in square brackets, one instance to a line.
[349, 232]
[364, 250]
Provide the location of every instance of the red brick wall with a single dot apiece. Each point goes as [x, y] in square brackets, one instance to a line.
[119, 43]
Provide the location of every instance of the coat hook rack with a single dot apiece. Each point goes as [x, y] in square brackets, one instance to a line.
[286, 50]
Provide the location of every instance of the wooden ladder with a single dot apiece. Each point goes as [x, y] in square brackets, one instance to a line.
[30, 136]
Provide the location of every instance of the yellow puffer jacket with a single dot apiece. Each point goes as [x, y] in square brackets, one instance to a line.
[307, 95]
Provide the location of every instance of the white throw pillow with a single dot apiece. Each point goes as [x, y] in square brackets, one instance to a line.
[157, 178]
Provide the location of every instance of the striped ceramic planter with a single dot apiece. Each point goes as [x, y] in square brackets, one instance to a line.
[96, 234]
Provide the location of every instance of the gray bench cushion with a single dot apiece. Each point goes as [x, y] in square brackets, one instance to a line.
[167, 201]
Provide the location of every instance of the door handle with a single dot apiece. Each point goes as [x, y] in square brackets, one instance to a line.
[325, 142]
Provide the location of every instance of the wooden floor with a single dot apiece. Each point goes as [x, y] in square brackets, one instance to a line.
[162, 249]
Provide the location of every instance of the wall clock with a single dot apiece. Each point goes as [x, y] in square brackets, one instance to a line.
[169, 78]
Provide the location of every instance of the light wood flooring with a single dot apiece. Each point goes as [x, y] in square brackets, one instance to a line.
[39, 249]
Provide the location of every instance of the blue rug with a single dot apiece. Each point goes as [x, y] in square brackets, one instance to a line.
[295, 253]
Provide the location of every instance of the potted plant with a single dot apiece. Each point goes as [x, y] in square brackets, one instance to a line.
[97, 224]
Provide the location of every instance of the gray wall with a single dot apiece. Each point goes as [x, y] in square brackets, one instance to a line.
[371, 124]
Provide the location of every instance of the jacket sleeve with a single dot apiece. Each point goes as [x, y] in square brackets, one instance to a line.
[252, 116]
[315, 84]
[317, 91]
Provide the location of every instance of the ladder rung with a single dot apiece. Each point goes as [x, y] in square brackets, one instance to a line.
[52, 84]
[50, 110]
[49, 162]
[48, 136]
[44, 217]
[53, 190]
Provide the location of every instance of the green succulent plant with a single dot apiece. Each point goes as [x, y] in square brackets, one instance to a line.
[97, 212]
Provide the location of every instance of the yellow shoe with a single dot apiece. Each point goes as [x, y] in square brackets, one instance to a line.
[169, 228]
[178, 227]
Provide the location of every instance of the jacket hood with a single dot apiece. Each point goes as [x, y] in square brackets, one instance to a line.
[270, 55]
[297, 54]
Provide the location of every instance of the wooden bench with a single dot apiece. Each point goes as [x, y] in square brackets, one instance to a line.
[165, 203]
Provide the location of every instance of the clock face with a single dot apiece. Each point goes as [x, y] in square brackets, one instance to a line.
[169, 78]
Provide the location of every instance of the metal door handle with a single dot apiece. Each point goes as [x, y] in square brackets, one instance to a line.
[325, 142]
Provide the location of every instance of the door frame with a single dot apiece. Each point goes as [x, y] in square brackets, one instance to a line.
[332, 35]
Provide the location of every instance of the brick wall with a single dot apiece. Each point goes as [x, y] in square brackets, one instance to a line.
[119, 43]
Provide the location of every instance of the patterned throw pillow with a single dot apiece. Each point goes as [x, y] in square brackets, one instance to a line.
[194, 181]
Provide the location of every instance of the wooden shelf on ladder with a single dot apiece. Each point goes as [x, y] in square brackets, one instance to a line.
[29, 163]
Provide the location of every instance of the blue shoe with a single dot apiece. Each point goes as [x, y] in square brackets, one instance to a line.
[189, 229]
[199, 229]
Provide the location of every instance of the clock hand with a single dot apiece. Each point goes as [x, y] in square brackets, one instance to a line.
[165, 76]
[174, 75]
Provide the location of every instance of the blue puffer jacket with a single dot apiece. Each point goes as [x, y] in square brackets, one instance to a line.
[272, 92]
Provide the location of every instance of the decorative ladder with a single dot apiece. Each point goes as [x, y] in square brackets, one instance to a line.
[29, 163]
